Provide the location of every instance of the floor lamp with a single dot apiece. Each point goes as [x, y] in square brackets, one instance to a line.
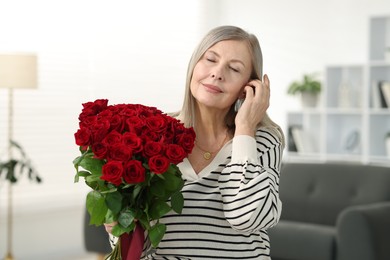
[17, 70]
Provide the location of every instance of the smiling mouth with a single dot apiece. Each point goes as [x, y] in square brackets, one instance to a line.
[212, 88]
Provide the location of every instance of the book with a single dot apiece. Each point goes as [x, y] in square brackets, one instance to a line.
[375, 95]
[303, 142]
[385, 89]
[382, 98]
[291, 143]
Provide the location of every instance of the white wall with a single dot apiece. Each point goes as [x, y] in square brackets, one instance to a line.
[137, 52]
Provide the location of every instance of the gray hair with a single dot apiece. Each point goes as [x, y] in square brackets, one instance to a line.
[223, 33]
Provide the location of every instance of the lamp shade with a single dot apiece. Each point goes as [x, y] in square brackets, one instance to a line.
[18, 70]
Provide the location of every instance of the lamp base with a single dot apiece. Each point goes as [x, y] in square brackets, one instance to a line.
[9, 256]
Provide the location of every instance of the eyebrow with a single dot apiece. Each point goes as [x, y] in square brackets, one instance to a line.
[234, 60]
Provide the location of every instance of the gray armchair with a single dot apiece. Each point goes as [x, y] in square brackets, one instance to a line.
[333, 211]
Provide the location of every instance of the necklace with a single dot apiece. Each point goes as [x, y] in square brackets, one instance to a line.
[208, 154]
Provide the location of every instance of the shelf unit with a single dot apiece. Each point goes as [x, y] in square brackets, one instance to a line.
[349, 125]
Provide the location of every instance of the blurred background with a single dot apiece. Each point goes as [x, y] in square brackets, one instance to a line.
[137, 52]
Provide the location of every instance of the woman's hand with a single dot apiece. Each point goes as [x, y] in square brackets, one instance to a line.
[109, 226]
[253, 109]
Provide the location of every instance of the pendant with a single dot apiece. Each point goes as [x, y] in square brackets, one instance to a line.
[207, 155]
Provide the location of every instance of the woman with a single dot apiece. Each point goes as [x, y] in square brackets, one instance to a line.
[232, 175]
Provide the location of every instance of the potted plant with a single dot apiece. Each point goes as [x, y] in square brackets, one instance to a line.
[12, 169]
[309, 88]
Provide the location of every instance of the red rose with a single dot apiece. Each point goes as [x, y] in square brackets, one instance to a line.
[93, 108]
[133, 141]
[175, 153]
[99, 150]
[83, 136]
[151, 135]
[112, 172]
[134, 172]
[152, 148]
[186, 140]
[117, 123]
[134, 124]
[105, 114]
[158, 164]
[113, 138]
[128, 111]
[119, 152]
[100, 130]
[87, 121]
[156, 124]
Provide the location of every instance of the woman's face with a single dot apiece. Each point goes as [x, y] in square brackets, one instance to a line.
[220, 75]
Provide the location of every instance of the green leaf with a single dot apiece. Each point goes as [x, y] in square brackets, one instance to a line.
[92, 178]
[158, 209]
[77, 160]
[173, 182]
[118, 230]
[81, 174]
[114, 201]
[177, 202]
[92, 164]
[96, 207]
[157, 188]
[110, 217]
[156, 233]
[136, 191]
[126, 218]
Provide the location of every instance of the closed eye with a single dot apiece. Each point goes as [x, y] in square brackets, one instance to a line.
[234, 69]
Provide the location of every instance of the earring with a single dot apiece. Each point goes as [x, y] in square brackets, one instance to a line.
[238, 104]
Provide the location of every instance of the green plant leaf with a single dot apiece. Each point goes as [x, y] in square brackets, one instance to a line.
[156, 233]
[114, 201]
[96, 207]
[158, 209]
[92, 164]
[157, 188]
[81, 174]
[126, 218]
[77, 160]
[110, 217]
[177, 202]
[173, 182]
[118, 230]
[136, 191]
[92, 178]
[307, 84]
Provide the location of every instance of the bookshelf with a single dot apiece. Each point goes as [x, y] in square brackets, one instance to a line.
[352, 122]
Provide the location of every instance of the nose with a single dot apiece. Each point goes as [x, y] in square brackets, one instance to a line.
[217, 77]
[217, 71]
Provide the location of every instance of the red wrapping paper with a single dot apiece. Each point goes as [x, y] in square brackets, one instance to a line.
[132, 244]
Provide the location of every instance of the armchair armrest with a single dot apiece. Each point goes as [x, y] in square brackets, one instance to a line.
[363, 232]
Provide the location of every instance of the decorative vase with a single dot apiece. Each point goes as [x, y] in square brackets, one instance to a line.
[309, 99]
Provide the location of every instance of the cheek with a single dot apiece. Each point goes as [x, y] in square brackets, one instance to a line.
[237, 89]
[197, 73]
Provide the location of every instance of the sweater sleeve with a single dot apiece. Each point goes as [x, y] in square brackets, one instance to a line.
[249, 184]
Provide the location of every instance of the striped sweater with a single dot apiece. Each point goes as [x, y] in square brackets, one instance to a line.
[228, 206]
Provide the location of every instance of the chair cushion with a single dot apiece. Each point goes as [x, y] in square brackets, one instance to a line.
[318, 192]
[302, 241]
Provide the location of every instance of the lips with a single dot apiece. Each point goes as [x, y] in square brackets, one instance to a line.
[212, 88]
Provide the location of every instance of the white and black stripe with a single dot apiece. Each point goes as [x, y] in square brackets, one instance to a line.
[228, 206]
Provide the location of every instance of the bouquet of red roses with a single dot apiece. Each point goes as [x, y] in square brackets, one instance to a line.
[129, 154]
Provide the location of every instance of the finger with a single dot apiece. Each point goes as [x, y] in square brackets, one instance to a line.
[266, 80]
[249, 91]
